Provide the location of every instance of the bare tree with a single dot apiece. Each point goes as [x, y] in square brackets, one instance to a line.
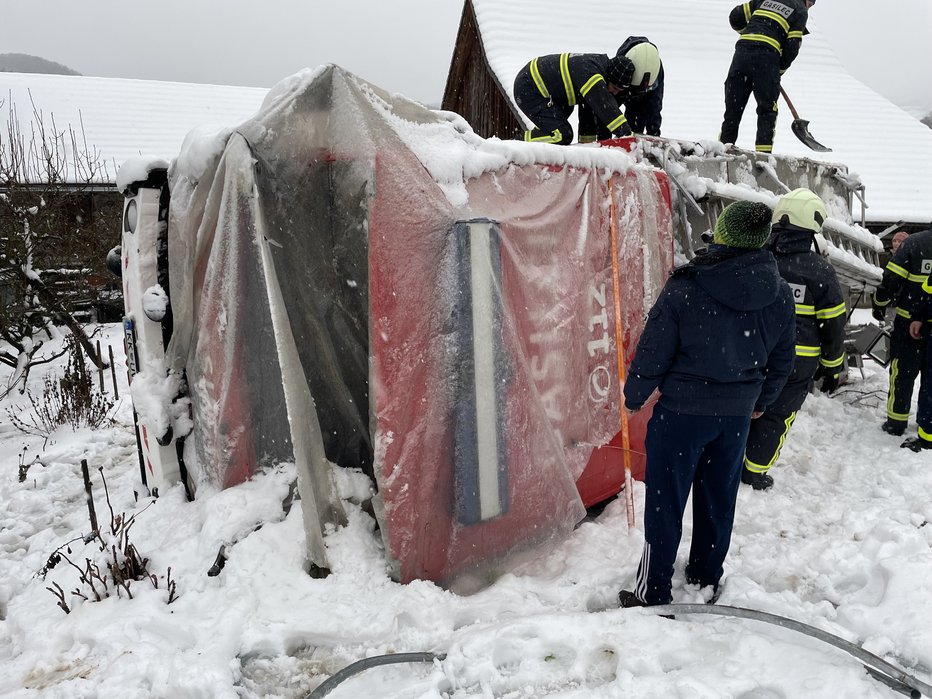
[52, 242]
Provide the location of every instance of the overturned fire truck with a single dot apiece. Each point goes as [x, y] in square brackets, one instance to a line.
[350, 280]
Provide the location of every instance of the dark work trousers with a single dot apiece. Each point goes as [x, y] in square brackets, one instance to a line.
[768, 432]
[552, 120]
[924, 406]
[906, 361]
[704, 453]
[754, 68]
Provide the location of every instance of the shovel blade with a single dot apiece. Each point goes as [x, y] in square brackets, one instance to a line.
[801, 131]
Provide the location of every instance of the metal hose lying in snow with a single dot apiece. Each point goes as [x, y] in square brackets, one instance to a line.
[876, 667]
[331, 682]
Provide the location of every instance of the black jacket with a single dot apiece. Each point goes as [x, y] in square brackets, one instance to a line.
[568, 79]
[779, 24]
[912, 293]
[905, 274]
[819, 299]
[720, 339]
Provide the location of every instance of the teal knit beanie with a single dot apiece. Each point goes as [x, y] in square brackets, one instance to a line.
[743, 224]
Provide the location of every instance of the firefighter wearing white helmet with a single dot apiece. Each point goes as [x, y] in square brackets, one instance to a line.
[646, 60]
[820, 327]
[549, 88]
[642, 96]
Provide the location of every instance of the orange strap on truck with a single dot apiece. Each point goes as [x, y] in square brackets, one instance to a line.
[620, 351]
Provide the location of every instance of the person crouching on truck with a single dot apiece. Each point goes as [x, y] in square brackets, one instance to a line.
[719, 344]
[548, 89]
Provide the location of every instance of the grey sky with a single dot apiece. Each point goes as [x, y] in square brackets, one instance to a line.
[402, 45]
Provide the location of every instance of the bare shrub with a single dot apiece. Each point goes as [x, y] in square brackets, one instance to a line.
[117, 567]
[71, 399]
[24, 466]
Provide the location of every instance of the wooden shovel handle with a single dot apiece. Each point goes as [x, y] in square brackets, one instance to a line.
[789, 103]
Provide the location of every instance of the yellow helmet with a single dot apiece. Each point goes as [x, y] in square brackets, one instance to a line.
[646, 60]
[801, 208]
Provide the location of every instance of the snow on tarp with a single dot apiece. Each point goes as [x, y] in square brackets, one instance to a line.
[358, 281]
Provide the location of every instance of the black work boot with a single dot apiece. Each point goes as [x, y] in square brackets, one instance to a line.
[628, 599]
[894, 427]
[916, 444]
[758, 481]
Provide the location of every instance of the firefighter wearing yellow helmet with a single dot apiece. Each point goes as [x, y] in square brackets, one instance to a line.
[549, 88]
[820, 327]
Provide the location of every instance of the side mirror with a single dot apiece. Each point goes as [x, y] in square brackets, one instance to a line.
[115, 261]
[155, 303]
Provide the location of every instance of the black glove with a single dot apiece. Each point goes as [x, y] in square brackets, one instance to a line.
[879, 313]
[829, 379]
[624, 130]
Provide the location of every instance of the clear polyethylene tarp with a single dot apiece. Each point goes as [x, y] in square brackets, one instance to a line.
[335, 305]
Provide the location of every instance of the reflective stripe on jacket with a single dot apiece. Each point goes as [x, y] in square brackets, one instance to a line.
[568, 79]
[819, 299]
[904, 276]
[779, 24]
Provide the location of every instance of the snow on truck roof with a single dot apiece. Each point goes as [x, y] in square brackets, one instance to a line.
[889, 149]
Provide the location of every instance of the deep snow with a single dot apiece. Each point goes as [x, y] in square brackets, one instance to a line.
[842, 542]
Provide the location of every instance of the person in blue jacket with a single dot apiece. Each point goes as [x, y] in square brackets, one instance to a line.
[719, 344]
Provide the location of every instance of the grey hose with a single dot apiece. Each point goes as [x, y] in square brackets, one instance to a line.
[876, 667]
[331, 682]
[911, 686]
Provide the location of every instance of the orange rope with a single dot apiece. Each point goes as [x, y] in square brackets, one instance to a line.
[620, 351]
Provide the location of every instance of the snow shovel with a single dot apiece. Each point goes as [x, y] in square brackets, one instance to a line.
[801, 127]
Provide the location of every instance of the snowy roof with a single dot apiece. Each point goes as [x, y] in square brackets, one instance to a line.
[877, 140]
[123, 118]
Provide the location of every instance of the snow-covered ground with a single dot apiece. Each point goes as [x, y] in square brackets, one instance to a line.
[843, 542]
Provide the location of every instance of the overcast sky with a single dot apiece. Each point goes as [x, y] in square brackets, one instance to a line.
[401, 45]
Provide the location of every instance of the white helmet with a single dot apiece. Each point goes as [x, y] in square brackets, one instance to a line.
[801, 208]
[646, 60]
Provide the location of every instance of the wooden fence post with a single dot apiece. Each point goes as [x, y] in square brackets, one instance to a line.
[100, 370]
[87, 489]
[116, 389]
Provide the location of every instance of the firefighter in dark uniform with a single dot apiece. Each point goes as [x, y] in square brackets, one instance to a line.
[548, 89]
[919, 330]
[820, 327]
[901, 286]
[771, 34]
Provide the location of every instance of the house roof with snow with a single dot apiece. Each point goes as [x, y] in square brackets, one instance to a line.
[889, 149]
[117, 119]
